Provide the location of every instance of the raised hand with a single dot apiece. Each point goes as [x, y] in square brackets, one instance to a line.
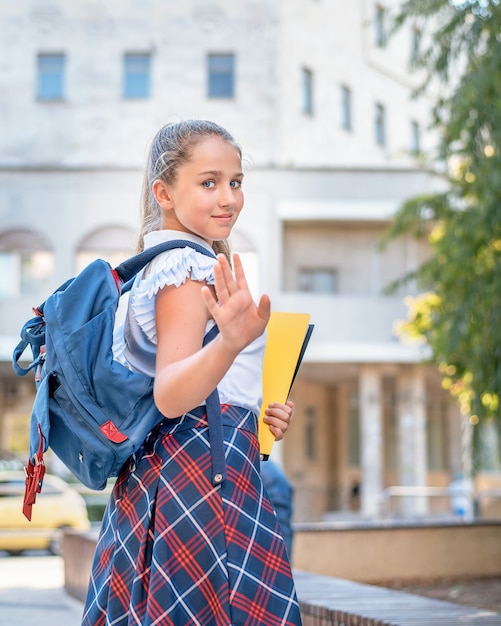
[239, 319]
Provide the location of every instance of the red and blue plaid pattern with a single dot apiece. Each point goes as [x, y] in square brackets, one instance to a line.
[176, 550]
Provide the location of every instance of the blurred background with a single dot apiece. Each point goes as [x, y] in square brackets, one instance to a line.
[320, 95]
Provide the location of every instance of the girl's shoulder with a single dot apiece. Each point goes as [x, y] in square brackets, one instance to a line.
[174, 267]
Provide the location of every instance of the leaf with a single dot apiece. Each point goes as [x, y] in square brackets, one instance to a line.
[459, 315]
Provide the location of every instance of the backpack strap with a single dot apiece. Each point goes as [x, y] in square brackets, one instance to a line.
[33, 335]
[127, 271]
[215, 420]
[129, 268]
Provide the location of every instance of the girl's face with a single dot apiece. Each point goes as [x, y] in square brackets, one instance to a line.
[206, 197]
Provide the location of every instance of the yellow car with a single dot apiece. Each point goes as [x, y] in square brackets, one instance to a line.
[59, 506]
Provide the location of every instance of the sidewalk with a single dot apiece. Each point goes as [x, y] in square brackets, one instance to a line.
[32, 592]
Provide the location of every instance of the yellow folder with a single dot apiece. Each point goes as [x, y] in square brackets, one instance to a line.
[287, 337]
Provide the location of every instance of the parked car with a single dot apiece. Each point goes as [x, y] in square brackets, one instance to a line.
[58, 506]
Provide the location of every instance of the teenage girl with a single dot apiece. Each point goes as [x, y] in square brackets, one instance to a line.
[189, 536]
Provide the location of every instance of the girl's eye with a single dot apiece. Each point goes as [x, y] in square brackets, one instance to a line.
[208, 183]
[236, 184]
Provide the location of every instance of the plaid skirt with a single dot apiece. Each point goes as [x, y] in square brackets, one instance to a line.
[175, 549]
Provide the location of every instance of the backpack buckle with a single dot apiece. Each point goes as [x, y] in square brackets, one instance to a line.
[41, 361]
[34, 478]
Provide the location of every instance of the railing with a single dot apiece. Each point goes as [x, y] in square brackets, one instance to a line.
[478, 497]
[482, 495]
[414, 493]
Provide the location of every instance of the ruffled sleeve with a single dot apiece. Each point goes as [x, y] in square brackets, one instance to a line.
[169, 268]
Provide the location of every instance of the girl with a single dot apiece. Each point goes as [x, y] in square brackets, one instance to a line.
[189, 537]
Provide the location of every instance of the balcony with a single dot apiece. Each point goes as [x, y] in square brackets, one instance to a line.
[352, 328]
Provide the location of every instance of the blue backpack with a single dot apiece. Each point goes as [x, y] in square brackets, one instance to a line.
[92, 411]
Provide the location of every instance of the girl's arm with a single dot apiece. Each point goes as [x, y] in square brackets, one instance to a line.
[186, 373]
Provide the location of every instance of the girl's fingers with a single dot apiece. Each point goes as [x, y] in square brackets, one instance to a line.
[264, 307]
[284, 410]
[231, 305]
[209, 300]
[228, 282]
[219, 284]
[278, 416]
[239, 272]
[278, 433]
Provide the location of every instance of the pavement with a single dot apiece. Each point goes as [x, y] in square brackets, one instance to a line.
[32, 592]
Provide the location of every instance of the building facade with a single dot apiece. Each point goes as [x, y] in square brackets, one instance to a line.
[333, 142]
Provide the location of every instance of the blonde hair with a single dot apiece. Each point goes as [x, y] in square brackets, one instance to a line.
[172, 147]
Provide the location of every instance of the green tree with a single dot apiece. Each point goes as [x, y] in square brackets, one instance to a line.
[459, 312]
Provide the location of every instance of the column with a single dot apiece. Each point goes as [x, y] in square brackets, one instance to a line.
[412, 461]
[371, 440]
[341, 444]
[3, 422]
[455, 437]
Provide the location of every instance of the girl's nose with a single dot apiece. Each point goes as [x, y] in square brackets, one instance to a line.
[226, 196]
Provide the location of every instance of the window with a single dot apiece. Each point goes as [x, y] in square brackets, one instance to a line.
[380, 27]
[12, 487]
[379, 125]
[317, 280]
[113, 244]
[310, 433]
[415, 45]
[307, 88]
[50, 76]
[221, 75]
[26, 265]
[345, 108]
[136, 76]
[415, 138]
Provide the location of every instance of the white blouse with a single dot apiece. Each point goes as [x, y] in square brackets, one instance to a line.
[242, 384]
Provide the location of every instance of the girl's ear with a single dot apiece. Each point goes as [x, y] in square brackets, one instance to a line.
[162, 194]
